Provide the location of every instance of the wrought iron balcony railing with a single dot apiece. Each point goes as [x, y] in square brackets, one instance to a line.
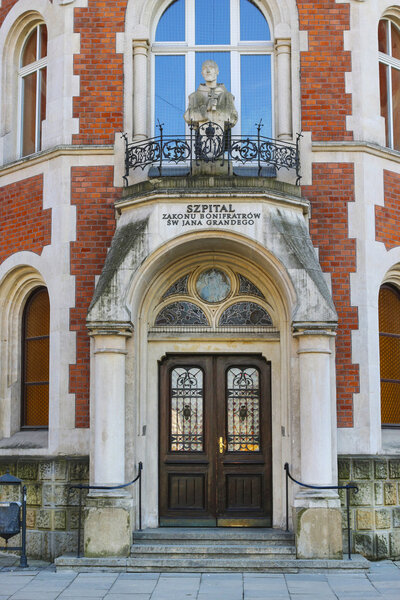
[211, 144]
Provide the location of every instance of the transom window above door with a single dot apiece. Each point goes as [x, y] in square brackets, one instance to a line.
[233, 33]
[212, 297]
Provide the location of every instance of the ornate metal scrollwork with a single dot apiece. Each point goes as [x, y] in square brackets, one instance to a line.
[210, 143]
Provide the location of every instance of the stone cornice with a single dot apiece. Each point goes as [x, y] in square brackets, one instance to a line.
[56, 152]
[366, 147]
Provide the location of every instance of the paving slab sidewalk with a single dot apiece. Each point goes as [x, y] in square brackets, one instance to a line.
[41, 582]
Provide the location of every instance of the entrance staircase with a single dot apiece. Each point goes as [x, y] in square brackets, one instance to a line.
[210, 549]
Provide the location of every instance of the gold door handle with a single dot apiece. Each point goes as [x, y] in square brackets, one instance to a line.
[222, 445]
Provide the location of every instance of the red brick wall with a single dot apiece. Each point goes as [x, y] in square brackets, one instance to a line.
[100, 104]
[24, 225]
[324, 101]
[6, 6]
[332, 189]
[93, 195]
[387, 217]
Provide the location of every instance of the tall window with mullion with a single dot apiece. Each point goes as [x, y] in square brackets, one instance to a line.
[389, 75]
[233, 33]
[33, 78]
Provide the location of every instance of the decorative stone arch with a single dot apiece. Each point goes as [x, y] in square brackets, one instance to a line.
[15, 288]
[144, 13]
[58, 17]
[124, 297]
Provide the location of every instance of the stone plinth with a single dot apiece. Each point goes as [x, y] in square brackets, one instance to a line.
[108, 525]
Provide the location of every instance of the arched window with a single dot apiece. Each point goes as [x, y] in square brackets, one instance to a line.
[35, 360]
[233, 33]
[32, 86]
[389, 349]
[389, 76]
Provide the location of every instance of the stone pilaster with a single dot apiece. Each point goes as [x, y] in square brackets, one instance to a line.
[108, 512]
[317, 514]
[140, 60]
[283, 57]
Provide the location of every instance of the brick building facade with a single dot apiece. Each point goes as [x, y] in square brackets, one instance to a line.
[109, 249]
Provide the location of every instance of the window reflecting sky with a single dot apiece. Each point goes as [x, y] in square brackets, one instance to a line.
[256, 93]
[253, 25]
[171, 26]
[213, 24]
[170, 101]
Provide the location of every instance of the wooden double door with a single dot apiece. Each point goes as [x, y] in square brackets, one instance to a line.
[215, 441]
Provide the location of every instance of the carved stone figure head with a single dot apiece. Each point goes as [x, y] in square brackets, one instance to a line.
[210, 70]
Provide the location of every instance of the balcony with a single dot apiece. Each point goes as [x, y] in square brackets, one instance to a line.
[209, 145]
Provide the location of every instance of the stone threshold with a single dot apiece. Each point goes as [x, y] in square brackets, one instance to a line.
[357, 564]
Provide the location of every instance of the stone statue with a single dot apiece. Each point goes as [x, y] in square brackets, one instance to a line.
[211, 101]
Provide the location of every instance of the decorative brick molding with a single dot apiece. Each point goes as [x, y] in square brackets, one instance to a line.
[93, 195]
[375, 510]
[52, 510]
[325, 103]
[332, 190]
[24, 225]
[99, 106]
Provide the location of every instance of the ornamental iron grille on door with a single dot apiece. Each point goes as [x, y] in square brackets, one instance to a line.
[243, 410]
[215, 441]
[186, 410]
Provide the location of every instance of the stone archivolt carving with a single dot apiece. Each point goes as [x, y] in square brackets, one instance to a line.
[216, 288]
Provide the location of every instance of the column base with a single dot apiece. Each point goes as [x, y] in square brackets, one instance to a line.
[107, 530]
[317, 520]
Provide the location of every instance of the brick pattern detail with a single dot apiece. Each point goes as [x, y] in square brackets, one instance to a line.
[93, 195]
[24, 225]
[387, 217]
[332, 189]
[324, 101]
[100, 104]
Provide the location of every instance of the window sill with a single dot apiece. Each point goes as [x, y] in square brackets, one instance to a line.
[391, 440]
[26, 440]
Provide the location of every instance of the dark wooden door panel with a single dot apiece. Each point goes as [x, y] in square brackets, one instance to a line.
[215, 440]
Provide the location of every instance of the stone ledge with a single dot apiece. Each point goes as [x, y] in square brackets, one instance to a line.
[358, 564]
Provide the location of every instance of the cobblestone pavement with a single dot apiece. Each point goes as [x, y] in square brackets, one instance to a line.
[42, 582]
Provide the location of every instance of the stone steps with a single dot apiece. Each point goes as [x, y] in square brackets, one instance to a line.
[201, 551]
[211, 550]
[208, 535]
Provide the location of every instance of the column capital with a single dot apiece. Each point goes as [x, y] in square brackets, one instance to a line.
[110, 328]
[283, 45]
[311, 329]
[140, 46]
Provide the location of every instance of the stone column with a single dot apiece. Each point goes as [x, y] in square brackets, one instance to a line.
[283, 53]
[140, 101]
[317, 513]
[108, 512]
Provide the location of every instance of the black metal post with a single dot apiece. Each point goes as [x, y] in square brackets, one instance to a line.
[23, 563]
[160, 126]
[299, 135]
[140, 495]
[191, 147]
[259, 125]
[79, 523]
[348, 521]
[125, 177]
[287, 497]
